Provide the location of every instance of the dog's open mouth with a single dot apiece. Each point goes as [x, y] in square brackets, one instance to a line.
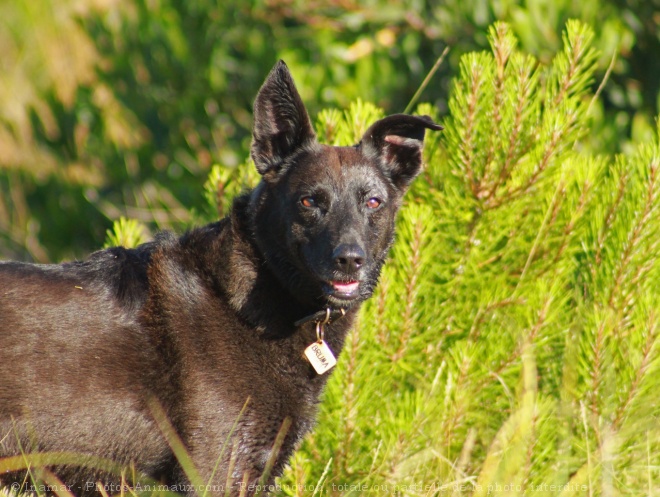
[344, 289]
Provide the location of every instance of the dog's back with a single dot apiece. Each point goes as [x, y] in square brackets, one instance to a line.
[91, 348]
[70, 347]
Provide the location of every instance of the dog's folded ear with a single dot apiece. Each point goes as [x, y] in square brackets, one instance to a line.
[281, 123]
[397, 141]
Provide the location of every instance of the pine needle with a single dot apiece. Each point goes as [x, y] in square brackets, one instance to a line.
[604, 81]
[426, 81]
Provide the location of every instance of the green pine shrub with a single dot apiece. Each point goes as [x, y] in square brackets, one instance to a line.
[512, 345]
[126, 233]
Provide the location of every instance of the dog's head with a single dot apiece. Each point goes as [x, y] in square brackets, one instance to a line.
[324, 216]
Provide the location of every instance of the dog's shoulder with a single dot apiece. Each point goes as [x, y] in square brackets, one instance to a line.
[123, 272]
[211, 261]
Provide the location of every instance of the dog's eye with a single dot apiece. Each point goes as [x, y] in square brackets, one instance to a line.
[373, 203]
[308, 201]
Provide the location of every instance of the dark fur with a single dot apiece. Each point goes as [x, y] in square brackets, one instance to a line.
[203, 323]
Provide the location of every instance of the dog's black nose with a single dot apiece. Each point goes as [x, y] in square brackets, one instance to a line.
[348, 257]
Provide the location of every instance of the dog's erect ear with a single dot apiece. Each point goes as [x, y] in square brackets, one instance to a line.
[397, 140]
[281, 123]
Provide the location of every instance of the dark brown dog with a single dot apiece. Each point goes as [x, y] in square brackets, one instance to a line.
[205, 333]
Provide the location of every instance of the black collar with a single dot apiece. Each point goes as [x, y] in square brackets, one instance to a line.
[325, 316]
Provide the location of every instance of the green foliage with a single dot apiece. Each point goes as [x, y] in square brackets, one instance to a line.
[336, 129]
[224, 183]
[112, 109]
[513, 344]
[127, 233]
[513, 340]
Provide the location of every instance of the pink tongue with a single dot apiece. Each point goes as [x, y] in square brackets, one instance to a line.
[345, 287]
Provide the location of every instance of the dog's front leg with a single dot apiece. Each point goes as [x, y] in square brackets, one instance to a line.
[243, 458]
[236, 473]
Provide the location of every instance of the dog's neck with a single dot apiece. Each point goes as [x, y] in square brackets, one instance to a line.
[248, 282]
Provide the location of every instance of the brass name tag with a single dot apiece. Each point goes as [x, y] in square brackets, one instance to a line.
[320, 356]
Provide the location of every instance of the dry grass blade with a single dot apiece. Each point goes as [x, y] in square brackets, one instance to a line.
[426, 81]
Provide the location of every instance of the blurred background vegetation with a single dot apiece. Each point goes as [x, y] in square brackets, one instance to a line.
[514, 336]
[114, 108]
